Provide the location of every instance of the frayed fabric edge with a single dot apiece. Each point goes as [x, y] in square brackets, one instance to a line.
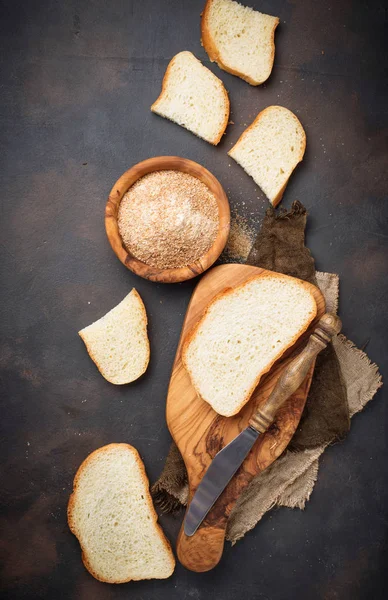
[378, 383]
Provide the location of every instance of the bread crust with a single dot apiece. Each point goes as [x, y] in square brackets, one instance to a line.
[217, 139]
[279, 196]
[210, 46]
[147, 360]
[226, 292]
[72, 500]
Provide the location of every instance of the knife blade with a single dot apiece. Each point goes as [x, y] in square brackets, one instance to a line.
[228, 460]
[220, 472]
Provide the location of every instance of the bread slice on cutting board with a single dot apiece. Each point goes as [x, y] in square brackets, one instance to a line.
[239, 39]
[270, 149]
[243, 331]
[111, 513]
[193, 97]
[118, 342]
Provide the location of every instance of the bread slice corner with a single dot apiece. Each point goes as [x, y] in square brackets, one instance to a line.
[270, 149]
[239, 39]
[111, 513]
[242, 333]
[118, 342]
[193, 97]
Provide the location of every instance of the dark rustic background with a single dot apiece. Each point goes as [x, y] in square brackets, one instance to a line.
[78, 78]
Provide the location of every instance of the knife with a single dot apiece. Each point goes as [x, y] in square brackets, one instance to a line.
[229, 459]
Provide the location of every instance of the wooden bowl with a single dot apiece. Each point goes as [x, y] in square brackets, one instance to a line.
[121, 186]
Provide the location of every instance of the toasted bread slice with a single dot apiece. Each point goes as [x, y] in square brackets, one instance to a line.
[270, 148]
[239, 39]
[193, 97]
[242, 333]
[111, 513]
[118, 342]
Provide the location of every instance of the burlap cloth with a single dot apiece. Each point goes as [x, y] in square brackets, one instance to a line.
[290, 480]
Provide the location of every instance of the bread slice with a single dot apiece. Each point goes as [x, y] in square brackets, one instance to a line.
[193, 97]
[270, 148]
[111, 513]
[118, 342]
[239, 39]
[242, 333]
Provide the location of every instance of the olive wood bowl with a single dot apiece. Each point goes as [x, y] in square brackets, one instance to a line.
[121, 186]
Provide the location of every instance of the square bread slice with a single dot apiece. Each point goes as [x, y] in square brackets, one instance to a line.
[270, 149]
[243, 332]
[111, 513]
[239, 39]
[118, 342]
[193, 97]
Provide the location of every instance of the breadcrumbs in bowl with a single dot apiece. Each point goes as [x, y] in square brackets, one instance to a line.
[167, 219]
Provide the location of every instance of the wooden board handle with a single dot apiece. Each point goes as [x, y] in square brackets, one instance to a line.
[292, 377]
[202, 551]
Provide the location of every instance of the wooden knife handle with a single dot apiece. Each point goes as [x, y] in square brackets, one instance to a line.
[292, 377]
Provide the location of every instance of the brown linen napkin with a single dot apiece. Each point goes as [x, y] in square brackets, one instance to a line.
[280, 247]
[290, 480]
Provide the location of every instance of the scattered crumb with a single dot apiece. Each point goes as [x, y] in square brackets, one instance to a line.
[241, 237]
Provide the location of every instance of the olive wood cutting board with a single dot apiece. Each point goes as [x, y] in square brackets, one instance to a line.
[200, 432]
